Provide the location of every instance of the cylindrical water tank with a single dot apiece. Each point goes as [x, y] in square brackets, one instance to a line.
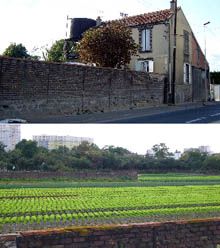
[79, 26]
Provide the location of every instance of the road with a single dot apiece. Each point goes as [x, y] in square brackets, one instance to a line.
[205, 114]
[187, 113]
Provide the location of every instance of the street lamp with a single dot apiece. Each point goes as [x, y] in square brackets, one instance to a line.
[205, 25]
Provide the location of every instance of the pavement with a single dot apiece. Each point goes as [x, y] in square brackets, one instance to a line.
[115, 116]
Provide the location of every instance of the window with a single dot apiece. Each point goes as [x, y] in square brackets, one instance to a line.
[187, 73]
[146, 40]
[145, 65]
[186, 42]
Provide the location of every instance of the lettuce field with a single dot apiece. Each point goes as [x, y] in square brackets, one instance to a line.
[34, 208]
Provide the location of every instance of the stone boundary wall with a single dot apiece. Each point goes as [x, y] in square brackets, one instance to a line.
[29, 87]
[70, 175]
[182, 234]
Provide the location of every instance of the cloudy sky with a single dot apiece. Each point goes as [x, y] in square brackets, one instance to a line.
[136, 138]
[38, 23]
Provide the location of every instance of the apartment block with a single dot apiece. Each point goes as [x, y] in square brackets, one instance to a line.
[10, 135]
[54, 141]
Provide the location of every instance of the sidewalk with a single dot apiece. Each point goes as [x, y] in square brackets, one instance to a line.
[116, 115]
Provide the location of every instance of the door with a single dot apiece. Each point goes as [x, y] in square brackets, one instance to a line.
[198, 85]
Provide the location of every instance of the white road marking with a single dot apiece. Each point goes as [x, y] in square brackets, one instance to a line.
[215, 115]
[196, 120]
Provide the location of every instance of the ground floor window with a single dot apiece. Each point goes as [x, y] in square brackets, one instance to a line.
[145, 65]
[187, 73]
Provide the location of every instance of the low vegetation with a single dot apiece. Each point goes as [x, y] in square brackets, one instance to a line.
[111, 202]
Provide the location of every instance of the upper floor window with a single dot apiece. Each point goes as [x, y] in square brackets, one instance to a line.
[146, 40]
[186, 42]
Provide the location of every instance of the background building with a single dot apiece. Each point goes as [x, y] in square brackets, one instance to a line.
[53, 141]
[205, 149]
[10, 135]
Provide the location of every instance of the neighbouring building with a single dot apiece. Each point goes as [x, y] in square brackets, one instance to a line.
[154, 33]
[54, 141]
[215, 92]
[10, 135]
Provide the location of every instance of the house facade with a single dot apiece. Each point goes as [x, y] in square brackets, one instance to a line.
[154, 33]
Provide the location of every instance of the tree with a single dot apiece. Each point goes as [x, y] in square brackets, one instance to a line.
[3, 157]
[212, 163]
[110, 45]
[28, 148]
[161, 151]
[16, 51]
[215, 77]
[193, 159]
[60, 51]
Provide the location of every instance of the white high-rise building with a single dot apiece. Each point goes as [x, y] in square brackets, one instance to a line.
[10, 135]
[53, 141]
[205, 149]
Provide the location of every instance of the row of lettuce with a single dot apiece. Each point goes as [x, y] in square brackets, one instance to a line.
[34, 206]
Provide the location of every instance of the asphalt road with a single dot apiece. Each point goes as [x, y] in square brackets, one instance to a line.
[186, 113]
[205, 114]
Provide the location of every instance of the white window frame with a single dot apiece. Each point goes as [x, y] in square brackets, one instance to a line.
[146, 40]
[187, 76]
[145, 65]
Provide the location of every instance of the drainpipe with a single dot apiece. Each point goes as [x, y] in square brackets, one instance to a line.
[169, 64]
[174, 8]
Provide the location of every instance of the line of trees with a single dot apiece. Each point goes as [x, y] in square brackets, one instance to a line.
[27, 156]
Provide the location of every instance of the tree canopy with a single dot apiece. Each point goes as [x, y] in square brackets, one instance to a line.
[215, 77]
[60, 51]
[16, 51]
[110, 45]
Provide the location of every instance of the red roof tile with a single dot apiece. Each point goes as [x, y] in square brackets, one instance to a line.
[147, 18]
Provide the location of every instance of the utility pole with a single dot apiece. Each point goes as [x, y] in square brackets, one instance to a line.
[173, 82]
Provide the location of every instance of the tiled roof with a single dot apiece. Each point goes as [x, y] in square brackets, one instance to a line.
[147, 18]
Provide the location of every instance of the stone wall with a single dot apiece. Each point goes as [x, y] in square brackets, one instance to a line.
[101, 174]
[184, 234]
[36, 87]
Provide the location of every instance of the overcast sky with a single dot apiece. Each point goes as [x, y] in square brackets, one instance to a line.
[136, 138]
[38, 23]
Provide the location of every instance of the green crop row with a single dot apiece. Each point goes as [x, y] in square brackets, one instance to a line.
[28, 202]
[178, 177]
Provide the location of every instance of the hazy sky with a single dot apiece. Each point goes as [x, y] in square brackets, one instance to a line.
[37, 23]
[136, 138]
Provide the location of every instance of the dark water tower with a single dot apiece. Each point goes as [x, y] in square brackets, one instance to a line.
[79, 26]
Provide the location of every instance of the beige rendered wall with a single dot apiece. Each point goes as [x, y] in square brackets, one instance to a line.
[160, 42]
[183, 91]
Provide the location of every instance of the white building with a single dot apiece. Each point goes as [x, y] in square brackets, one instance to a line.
[10, 135]
[177, 155]
[205, 149]
[53, 141]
